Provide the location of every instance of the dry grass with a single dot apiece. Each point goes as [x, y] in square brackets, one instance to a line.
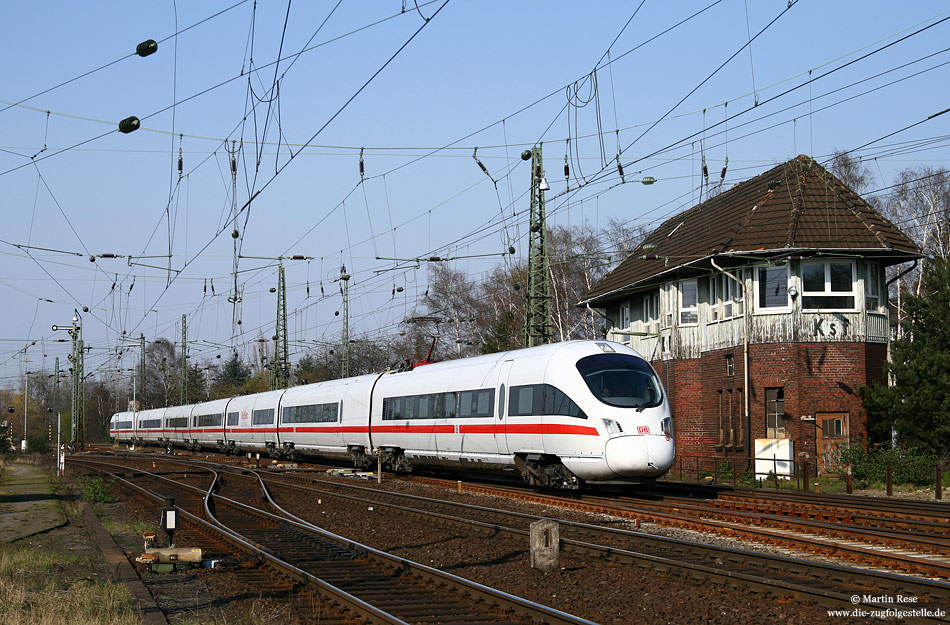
[31, 594]
[128, 527]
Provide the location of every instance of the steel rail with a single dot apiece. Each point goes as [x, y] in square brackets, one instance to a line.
[369, 611]
[505, 601]
[859, 579]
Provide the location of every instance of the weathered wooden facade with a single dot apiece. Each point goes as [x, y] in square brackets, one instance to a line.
[764, 309]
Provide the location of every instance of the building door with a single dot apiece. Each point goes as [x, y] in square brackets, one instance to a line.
[831, 434]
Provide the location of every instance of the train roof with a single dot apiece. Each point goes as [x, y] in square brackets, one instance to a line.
[577, 349]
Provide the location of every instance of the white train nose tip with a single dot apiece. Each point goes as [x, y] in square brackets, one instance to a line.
[639, 455]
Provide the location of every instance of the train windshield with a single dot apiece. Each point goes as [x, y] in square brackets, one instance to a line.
[621, 380]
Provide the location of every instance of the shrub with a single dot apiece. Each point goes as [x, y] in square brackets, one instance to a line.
[95, 489]
[37, 445]
[908, 466]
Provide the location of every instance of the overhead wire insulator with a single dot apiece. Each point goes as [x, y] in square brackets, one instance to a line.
[181, 163]
[620, 170]
[482, 166]
[147, 47]
[362, 168]
[129, 124]
[725, 166]
[705, 170]
[567, 169]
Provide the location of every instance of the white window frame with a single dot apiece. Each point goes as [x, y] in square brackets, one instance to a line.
[669, 305]
[734, 293]
[872, 287]
[624, 325]
[651, 311]
[827, 292]
[716, 298]
[684, 309]
[723, 292]
[759, 308]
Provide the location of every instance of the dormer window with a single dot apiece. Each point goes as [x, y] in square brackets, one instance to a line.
[828, 285]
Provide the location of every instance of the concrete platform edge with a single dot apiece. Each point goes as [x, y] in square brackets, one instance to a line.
[122, 570]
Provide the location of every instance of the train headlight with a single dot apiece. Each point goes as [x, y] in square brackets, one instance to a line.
[667, 426]
[613, 428]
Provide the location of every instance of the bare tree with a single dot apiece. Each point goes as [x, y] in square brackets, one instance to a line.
[162, 367]
[854, 173]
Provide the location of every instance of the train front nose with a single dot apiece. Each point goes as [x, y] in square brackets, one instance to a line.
[647, 455]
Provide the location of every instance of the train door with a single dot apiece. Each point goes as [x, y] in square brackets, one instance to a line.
[501, 434]
[830, 435]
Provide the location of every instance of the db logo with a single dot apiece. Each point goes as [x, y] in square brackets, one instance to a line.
[643, 429]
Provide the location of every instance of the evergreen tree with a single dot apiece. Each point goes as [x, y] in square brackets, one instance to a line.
[231, 378]
[918, 405]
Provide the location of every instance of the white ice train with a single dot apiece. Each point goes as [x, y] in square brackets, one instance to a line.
[560, 415]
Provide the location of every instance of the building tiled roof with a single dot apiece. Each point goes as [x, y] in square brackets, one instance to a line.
[796, 207]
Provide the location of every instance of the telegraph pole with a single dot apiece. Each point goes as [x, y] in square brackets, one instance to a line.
[538, 329]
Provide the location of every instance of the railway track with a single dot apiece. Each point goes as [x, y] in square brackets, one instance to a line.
[907, 548]
[380, 587]
[890, 535]
[826, 584]
[892, 513]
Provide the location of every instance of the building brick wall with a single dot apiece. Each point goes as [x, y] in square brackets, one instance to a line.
[816, 378]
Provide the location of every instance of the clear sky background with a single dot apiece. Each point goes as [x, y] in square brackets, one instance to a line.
[295, 91]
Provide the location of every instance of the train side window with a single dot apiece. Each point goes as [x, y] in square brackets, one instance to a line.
[393, 408]
[425, 407]
[233, 418]
[484, 404]
[465, 403]
[522, 401]
[208, 420]
[263, 417]
[477, 403]
[314, 413]
[542, 399]
[556, 402]
[451, 405]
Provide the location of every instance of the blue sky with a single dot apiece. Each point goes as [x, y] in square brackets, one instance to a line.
[496, 76]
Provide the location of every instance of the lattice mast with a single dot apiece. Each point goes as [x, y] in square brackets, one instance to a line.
[183, 381]
[282, 342]
[538, 329]
[78, 434]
